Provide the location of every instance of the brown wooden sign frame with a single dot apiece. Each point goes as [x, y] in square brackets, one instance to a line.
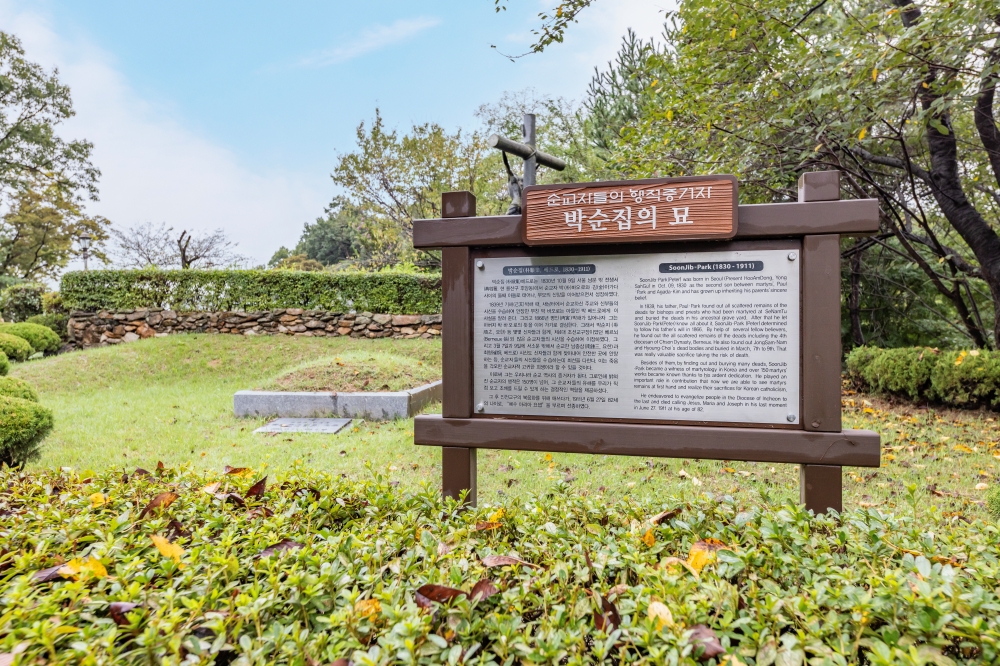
[818, 443]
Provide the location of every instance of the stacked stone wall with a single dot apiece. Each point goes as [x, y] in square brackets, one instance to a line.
[92, 329]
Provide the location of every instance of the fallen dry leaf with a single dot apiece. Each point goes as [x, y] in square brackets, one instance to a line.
[368, 607]
[660, 615]
[439, 593]
[663, 517]
[236, 471]
[257, 489]
[705, 638]
[504, 560]
[119, 610]
[703, 552]
[649, 539]
[982, 486]
[482, 527]
[167, 549]
[281, 546]
[484, 589]
[443, 549]
[608, 619]
[98, 499]
[161, 501]
[47, 575]
[212, 488]
[78, 567]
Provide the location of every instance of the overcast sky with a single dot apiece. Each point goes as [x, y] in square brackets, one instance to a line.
[212, 114]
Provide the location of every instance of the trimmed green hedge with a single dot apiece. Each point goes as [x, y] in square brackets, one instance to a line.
[15, 347]
[4, 364]
[232, 290]
[41, 338]
[955, 378]
[23, 426]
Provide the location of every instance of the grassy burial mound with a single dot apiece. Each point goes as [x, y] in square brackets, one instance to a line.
[361, 369]
[309, 568]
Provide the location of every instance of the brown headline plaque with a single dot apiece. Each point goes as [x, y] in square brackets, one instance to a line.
[631, 211]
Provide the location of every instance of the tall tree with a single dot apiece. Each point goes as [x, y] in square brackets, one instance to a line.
[32, 103]
[899, 96]
[38, 233]
[159, 246]
[43, 177]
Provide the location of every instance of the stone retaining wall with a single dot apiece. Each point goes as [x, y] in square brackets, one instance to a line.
[91, 329]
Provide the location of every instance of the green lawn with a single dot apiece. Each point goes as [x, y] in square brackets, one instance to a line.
[170, 399]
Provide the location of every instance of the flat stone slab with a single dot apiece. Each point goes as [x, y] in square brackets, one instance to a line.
[372, 405]
[325, 426]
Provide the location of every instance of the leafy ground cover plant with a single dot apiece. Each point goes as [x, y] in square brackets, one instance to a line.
[15, 348]
[362, 370]
[310, 568]
[41, 338]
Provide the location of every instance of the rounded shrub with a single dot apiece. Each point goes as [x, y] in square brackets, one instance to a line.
[41, 338]
[15, 347]
[23, 426]
[20, 301]
[4, 364]
[993, 501]
[57, 322]
[13, 387]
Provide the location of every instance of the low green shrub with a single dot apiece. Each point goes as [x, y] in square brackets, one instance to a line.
[23, 426]
[41, 338]
[52, 303]
[311, 568]
[57, 322]
[4, 364]
[955, 378]
[17, 388]
[15, 347]
[993, 501]
[20, 301]
[238, 290]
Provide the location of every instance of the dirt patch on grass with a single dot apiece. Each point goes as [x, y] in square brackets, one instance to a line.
[357, 371]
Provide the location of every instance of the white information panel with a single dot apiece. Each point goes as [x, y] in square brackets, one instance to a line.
[688, 336]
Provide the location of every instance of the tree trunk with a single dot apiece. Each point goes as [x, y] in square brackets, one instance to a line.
[854, 299]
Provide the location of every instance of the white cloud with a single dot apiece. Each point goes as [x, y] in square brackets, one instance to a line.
[153, 167]
[371, 39]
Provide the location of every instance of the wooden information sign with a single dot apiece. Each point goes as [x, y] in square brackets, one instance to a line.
[659, 209]
[677, 346]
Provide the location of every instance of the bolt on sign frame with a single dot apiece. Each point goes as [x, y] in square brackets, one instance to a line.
[812, 227]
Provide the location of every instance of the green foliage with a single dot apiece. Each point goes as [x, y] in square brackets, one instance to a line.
[41, 338]
[770, 89]
[315, 568]
[57, 322]
[23, 426]
[52, 303]
[20, 301]
[993, 501]
[298, 262]
[4, 364]
[39, 233]
[334, 238]
[13, 387]
[235, 290]
[15, 347]
[957, 378]
[34, 102]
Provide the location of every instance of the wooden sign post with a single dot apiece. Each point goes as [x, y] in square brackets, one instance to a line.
[653, 318]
